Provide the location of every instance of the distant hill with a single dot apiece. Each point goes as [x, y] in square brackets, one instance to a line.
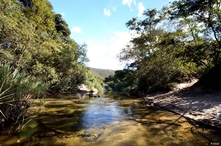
[103, 73]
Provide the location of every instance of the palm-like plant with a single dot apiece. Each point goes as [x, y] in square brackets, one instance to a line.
[16, 90]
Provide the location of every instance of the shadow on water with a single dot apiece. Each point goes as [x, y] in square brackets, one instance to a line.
[109, 120]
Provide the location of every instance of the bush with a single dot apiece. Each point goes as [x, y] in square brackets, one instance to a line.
[108, 88]
[16, 90]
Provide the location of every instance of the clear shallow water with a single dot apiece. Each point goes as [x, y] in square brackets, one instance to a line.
[109, 120]
[102, 111]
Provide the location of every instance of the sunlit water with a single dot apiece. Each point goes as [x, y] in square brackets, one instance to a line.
[111, 120]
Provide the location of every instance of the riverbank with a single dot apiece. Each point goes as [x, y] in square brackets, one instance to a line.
[196, 104]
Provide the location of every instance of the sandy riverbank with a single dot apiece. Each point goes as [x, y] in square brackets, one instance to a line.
[194, 103]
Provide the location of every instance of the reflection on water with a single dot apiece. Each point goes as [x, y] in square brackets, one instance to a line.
[110, 120]
[101, 111]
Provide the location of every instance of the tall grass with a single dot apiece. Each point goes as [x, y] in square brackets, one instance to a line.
[16, 90]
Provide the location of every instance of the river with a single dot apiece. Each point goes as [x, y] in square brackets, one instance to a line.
[110, 120]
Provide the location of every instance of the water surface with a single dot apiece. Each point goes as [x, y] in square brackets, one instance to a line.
[109, 120]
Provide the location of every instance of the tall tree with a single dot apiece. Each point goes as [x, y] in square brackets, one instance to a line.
[156, 52]
[41, 12]
[208, 14]
[41, 49]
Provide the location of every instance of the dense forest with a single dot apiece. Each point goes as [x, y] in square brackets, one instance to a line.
[37, 56]
[180, 42]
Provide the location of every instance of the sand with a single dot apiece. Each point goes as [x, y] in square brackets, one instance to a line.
[193, 103]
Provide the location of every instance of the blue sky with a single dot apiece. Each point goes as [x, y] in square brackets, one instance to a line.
[101, 25]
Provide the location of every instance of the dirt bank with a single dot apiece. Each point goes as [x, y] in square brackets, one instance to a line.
[194, 103]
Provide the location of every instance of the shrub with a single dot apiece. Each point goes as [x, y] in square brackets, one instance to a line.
[16, 90]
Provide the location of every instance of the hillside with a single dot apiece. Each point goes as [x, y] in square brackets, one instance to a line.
[103, 73]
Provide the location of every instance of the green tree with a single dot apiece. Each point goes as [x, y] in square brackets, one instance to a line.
[43, 50]
[122, 81]
[36, 42]
[158, 52]
[41, 12]
[206, 13]
[61, 26]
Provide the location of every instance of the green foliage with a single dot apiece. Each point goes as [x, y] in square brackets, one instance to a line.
[93, 81]
[103, 73]
[123, 80]
[176, 44]
[108, 88]
[41, 12]
[94, 78]
[16, 90]
[36, 44]
[61, 26]
[37, 41]
[207, 15]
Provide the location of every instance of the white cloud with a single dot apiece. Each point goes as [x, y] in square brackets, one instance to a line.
[107, 12]
[128, 2]
[76, 29]
[141, 9]
[103, 52]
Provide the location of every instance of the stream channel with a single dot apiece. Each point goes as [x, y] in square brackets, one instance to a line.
[110, 120]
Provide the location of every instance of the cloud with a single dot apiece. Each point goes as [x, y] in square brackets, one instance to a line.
[107, 12]
[103, 52]
[76, 29]
[128, 2]
[141, 9]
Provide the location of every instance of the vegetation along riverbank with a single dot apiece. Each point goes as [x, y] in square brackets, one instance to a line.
[177, 44]
[38, 58]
